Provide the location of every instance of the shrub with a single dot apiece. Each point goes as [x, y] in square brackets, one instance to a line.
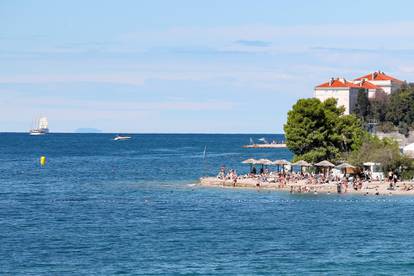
[386, 127]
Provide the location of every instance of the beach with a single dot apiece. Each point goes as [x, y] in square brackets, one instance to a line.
[301, 186]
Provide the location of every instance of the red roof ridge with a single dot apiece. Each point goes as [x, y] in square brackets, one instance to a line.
[338, 82]
[368, 85]
[378, 75]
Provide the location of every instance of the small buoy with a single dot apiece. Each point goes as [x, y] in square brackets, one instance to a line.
[42, 160]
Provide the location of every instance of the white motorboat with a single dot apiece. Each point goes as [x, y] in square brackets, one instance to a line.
[121, 138]
[265, 144]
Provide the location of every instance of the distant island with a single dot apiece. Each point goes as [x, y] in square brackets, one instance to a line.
[88, 130]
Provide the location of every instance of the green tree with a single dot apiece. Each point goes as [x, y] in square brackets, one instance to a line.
[362, 107]
[393, 112]
[378, 108]
[385, 151]
[400, 110]
[318, 130]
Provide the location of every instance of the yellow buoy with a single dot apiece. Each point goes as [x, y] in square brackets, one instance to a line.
[42, 160]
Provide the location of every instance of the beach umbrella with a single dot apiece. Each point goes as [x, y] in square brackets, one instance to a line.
[264, 162]
[326, 165]
[345, 166]
[301, 164]
[250, 161]
[282, 162]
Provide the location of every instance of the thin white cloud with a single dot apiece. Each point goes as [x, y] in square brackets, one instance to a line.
[253, 43]
[57, 103]
[278, 35]
[59, 78]
[139, 78]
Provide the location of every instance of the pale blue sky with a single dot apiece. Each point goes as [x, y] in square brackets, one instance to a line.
[188, 66]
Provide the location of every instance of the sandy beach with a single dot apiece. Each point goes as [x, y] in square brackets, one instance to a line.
[300, 186]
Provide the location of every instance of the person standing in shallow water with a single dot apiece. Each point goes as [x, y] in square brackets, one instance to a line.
[339, 187]
[234, 176]
[395, 179]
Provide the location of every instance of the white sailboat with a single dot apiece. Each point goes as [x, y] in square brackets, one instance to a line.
[41, 127]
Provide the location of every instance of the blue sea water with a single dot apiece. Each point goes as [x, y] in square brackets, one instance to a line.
[101, 207]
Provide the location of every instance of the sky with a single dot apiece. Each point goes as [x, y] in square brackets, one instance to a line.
[181, 66]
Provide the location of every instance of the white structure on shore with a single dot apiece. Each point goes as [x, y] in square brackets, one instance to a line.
[346, 92]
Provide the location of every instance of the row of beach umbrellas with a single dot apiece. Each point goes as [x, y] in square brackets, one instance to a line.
[267, 162]
[252, 161]
[300, 163]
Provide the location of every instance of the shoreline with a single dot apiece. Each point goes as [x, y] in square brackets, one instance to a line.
[375, 188]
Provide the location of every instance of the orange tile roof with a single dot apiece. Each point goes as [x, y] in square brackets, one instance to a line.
[367, 85]
[378, 76]
[336, 83]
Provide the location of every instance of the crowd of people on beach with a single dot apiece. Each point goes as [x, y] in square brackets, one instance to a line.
[303, 182]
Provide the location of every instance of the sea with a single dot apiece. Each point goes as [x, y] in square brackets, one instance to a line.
[104, 207]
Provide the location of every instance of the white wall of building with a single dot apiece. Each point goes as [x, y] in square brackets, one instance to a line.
[372, 93]
[384, 84]
[387, 85]
[342, 95]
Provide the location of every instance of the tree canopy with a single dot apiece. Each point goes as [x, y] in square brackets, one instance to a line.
[395, 111]
[318, 130]
[363, 106]
[384, 151]
[401, 107]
